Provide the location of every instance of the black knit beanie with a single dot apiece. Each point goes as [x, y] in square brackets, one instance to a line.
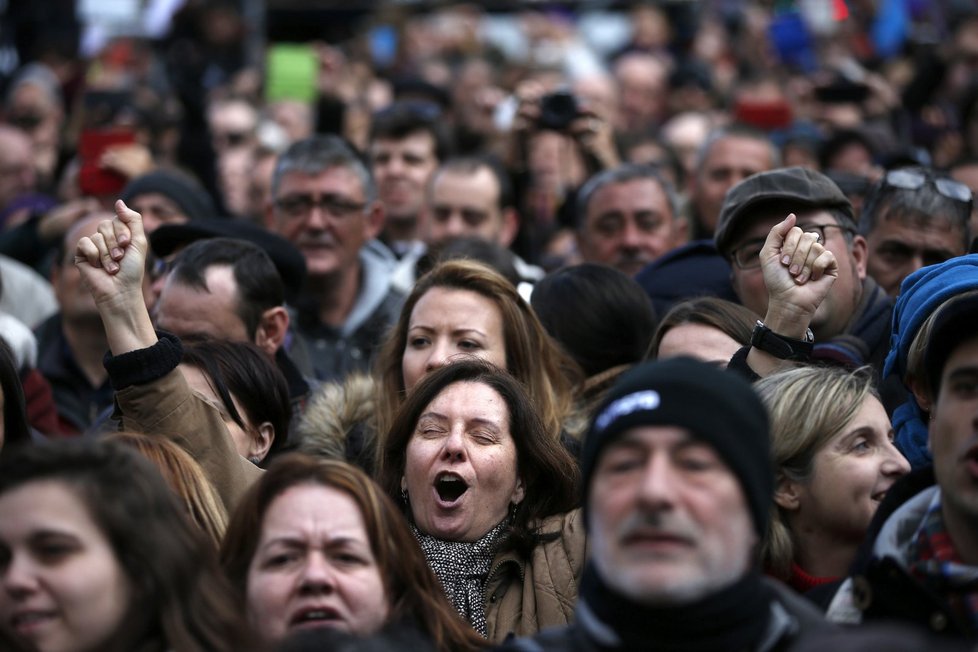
[716, 406]
[190, 197]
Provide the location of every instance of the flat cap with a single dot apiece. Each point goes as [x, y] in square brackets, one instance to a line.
[794, 186]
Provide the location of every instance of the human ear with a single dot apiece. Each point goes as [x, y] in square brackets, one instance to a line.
[272, 329]
[518, 493]
[787, 494]
[262, 442]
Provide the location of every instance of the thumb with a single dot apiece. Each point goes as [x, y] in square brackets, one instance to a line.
[130, 218]
[775, 238]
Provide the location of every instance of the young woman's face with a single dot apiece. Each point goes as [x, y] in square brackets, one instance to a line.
[851, 474]
[63, 588]
[447, 323]
[314, 567]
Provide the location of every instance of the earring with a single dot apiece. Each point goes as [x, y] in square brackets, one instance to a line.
[254, 459]
[512, 512]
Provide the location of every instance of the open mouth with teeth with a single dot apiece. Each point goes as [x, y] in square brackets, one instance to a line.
[450, 487]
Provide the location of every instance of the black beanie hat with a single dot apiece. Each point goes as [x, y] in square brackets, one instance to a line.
[716, 406]
[953, 326]
[191, 198]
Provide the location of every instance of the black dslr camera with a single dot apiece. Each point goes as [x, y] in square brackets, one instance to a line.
[557, 111]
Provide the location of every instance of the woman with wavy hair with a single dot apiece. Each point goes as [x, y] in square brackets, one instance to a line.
[97, 554]
[315, 543]
[834, 460]
[491, 497]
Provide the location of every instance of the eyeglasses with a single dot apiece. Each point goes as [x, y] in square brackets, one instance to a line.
[298, 206]
[909, 179]
[748, 255]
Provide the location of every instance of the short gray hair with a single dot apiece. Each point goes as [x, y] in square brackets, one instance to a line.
[319, 153]
[622, 174]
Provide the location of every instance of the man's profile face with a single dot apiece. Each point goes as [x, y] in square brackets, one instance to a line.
[401, 168]
[465, 205]
[898, 247]
[627, 225]
[668, 520]
[954, 434]
[835, 312]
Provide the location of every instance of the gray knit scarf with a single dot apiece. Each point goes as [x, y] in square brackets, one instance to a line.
[463, 569]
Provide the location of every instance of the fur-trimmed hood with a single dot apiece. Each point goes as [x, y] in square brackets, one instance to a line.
[338, 421]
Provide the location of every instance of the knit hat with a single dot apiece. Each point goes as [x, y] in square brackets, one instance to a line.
[799, 188]
[716, 406]
[954, 325]
[920, 294]
[191, 198]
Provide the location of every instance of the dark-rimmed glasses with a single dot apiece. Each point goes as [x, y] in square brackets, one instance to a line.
[748, 255]
[298, 206]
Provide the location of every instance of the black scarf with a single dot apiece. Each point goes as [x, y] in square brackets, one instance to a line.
[734, 619]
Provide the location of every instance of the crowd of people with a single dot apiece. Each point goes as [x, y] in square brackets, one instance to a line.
[472, 327]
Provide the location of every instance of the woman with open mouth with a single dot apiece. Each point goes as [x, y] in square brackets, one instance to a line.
[315, 544]
[488, 492]
[834, 461]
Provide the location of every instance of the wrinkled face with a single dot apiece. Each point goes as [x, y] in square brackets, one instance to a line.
[840, 304]
[897, 248]
[200, 382]
[851, 474]
[460, 471]
[954, 435]
[628, 225]
[157, 209]
[698, 341]
[325, 215]
[63, 589]
[184, 310]
[730, 161]
[447, 323]
[402, 168]
[668, 520]
[463, 205]
[314, 567]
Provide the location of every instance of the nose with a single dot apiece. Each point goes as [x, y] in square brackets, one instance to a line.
[439, 356]
[895, 463]
[17, 579]
[454, 227]
[316, 220]
[658, 487]
[454, 446]
[631, 236]
[317, 575]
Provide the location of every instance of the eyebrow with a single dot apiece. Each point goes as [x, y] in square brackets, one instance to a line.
[295, 542]
[456, 331]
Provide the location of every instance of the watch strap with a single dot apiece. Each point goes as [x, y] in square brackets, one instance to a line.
[781, 347]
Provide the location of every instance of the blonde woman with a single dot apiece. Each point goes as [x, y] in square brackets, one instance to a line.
[834, 461]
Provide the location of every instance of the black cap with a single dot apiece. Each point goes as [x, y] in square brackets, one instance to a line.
[716, 406]
[288, 260]
[795, 186]
[192, 199]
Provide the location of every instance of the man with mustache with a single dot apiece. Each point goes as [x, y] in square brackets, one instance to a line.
[627, 217]
[920, 561]
[325, 202]
[678, 488]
